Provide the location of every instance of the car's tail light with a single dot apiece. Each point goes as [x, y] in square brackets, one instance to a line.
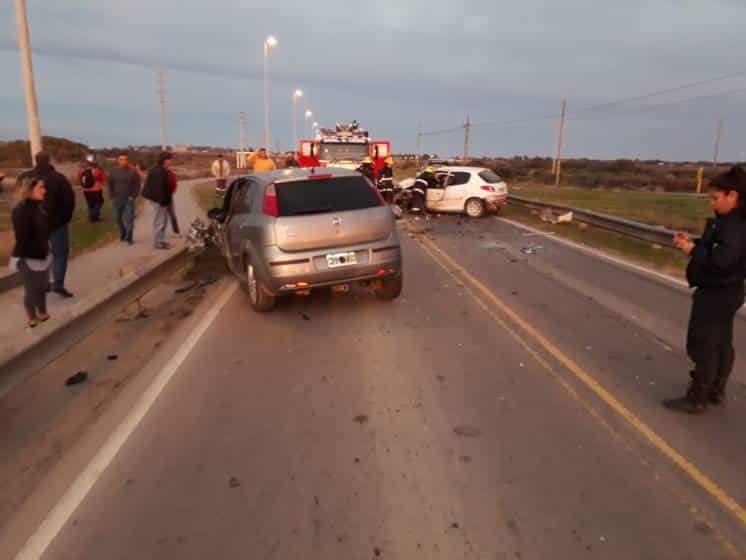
[321, 176]
[488, 188]
[270, 207]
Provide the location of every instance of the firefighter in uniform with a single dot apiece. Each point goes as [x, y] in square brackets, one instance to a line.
[386, 180]
[425, 180]
[717, 270]
[366, 168]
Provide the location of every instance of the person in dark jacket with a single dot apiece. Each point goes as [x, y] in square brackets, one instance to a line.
[717, 270]
[367, 170]
[157, 190]
[386, 180]
[124, 188]
[31, 251]
[59, 203]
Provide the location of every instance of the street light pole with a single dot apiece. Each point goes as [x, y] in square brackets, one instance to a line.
[309, 114]
[269, 42]
[297, 94]
[32, 109]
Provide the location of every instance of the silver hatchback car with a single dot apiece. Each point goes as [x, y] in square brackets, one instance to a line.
[298, 229]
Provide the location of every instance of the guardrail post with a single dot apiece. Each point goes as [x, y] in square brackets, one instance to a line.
[700, 177]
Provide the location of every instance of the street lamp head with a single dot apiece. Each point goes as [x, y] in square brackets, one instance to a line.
[315, 124]
[309, 114]
[297, 93]
[270, 41]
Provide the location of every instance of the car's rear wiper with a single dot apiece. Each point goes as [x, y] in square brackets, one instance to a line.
[313, 211]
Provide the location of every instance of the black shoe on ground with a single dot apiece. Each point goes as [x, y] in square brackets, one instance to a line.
[686, 405]
[62, 292]
[163, 246]
[717, 397]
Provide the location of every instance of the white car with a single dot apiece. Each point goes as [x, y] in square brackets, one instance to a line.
[473, 191]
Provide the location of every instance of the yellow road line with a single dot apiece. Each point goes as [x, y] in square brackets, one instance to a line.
[640, 426]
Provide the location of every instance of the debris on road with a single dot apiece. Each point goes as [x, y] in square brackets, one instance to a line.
[76, 379]
[361, 419]
[234, 482]
[203, 282]
[546, 215]
[305, 317]
[493, 245]
[467, 431]
[531, 249]
[112, 357]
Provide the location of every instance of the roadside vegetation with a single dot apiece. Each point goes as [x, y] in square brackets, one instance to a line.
[204, 194]
[673, 211]
[84, 235]
[663, 259]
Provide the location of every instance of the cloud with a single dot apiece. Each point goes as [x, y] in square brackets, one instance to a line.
[392, 63]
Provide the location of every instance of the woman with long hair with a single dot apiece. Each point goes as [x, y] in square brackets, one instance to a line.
[31, 251]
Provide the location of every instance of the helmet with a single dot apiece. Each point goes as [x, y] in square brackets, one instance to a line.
[389, 160]
[367, 159]
[429, 169]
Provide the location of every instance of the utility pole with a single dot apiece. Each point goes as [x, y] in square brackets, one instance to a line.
[419, 144]
[241, 131]
[717, 143]
[32, 109]
[557, 167]
[162, 101]
[467, 133]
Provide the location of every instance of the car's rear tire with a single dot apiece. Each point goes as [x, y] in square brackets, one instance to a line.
[260, 298]
[474, 208]
[391, 287]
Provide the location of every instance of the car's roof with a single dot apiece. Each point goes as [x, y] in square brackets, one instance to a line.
[301, 172]
[461, 168]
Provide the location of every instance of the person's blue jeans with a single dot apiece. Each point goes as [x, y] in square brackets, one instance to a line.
[160, 220]
[59, 241]
[125, 212]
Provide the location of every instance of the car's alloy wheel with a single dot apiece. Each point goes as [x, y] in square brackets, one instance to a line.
[475, 208]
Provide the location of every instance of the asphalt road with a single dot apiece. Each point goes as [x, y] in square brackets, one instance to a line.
[506, 406]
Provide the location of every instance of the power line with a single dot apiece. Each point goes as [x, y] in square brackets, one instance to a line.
[606, 105]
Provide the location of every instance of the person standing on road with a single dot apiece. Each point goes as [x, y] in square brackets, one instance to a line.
[59, 204]
[157, 190]
[260, 161]
[366, 169]
[124, 187]
[173, 184]
[717, 269]
[425, 180]
[221, 171]
[31, 251]
[386, 180]
[91, 177]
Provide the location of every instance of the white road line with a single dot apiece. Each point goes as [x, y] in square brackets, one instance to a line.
[37, 544]
[600, 254]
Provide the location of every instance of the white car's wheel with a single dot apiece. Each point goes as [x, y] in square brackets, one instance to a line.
[474, 208]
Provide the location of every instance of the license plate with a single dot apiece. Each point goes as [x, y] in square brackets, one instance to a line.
[341, 259]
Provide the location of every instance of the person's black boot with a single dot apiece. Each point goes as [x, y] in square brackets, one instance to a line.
[683, 404]
[695, 401]
[717, 392]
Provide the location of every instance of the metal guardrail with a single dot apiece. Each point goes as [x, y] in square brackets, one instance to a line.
[656, 235]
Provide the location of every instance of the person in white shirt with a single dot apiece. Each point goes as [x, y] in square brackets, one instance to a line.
[221, 171]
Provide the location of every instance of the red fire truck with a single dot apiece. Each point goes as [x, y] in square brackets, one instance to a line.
[343, 146]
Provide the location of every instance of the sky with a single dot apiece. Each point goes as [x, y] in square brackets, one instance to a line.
[393, 65]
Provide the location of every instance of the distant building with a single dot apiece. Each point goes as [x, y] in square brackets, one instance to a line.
[180, 149]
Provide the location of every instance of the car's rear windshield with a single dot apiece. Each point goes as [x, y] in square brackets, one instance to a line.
[489, 176]
[319, 196]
